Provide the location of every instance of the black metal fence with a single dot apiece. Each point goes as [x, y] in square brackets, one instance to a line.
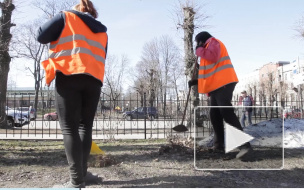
[111, 121]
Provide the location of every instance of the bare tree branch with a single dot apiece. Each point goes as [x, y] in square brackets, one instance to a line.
[299, 27]
[115, 77]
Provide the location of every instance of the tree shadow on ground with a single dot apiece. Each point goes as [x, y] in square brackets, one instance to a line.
[258, 154]
[259, 158]
[31, 157]
[219, 179]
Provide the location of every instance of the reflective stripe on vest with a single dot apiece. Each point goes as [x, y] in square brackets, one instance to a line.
[77, 51]
[77, 37]
[215, 75]
[214, 64]
[215, 71]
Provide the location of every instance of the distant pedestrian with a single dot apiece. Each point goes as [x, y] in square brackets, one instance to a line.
[246, 111]
[217, 78]
[78, 48]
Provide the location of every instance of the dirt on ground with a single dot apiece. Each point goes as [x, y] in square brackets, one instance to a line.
[150, 163]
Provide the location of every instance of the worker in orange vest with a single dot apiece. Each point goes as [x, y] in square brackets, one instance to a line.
[217, 78]
[77, 54]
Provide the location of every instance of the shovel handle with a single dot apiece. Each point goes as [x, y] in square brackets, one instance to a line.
[186, 106]
[193, 74]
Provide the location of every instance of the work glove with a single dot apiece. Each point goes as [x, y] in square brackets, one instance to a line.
[192, 82]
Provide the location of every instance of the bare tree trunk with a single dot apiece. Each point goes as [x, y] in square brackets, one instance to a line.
[254, 94]
[151, 88]
[7, 8]
[177, 98]
[190, 59]
[161, 94]
[37, 74]
[299, 106]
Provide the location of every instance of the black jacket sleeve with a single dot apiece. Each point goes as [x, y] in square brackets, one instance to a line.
[51, 30]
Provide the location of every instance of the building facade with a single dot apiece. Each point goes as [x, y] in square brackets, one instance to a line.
[25, 97]
[275, 84]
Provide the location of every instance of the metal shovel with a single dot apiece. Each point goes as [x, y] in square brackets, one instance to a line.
[181, 127]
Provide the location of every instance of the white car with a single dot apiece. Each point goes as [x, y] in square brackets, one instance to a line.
[30, 111]
[15, 117]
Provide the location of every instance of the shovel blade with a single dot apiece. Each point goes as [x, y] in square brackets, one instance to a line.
[180, 128]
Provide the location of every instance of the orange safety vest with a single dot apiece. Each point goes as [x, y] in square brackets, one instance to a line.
[212, 76]
[78, 50]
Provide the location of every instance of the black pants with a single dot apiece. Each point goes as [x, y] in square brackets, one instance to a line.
[222, 97]
[77, 98]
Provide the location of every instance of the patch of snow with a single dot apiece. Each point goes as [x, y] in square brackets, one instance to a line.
[294, 133]
[270, 134]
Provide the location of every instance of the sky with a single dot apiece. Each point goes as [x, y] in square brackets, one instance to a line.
[255, 32]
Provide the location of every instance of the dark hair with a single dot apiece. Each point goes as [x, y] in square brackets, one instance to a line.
[87, 6]
[202, 37]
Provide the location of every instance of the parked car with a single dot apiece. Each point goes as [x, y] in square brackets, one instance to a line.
[15, 117]
[31, 112]
[292, 113]
[51, 116]
[141, 113]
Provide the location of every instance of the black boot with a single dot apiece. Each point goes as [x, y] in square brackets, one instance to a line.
[244, 150]
[92, 178]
